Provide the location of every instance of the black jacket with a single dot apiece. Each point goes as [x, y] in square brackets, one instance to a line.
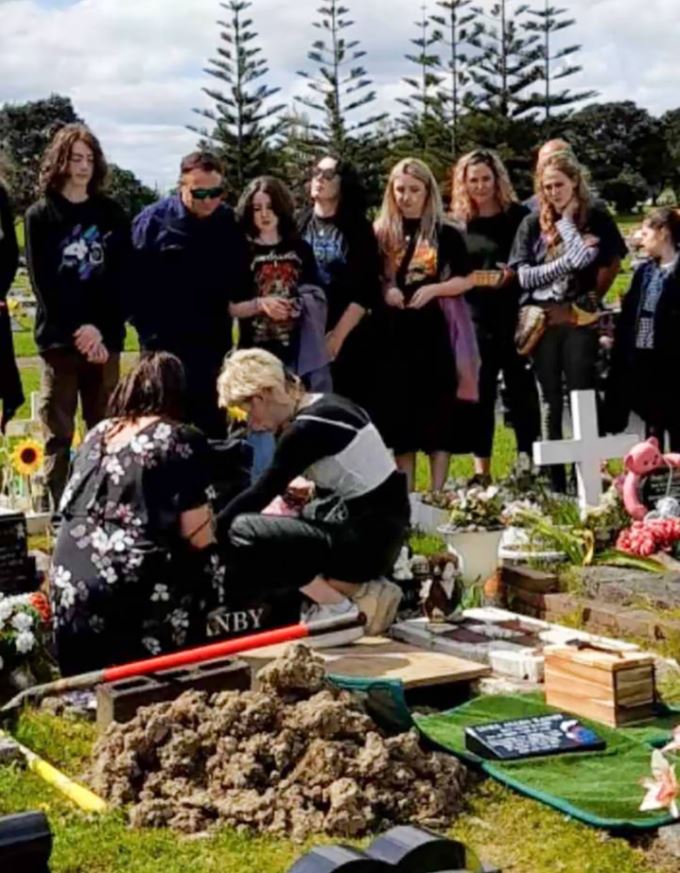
[187, 271]
[77, 256]
[11, 394]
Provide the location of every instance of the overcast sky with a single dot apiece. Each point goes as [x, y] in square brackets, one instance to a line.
[134, 68]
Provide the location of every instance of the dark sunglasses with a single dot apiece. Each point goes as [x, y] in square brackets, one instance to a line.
[207, 193]
[328, 175]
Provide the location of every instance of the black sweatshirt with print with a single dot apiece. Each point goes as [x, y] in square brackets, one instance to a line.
[77, 256]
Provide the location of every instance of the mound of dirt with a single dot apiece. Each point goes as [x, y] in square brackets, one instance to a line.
[296, 757]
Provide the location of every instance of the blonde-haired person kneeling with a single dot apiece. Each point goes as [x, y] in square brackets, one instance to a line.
[337, 550]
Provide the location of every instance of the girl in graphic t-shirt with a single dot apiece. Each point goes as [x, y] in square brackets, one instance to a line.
[280, 263]
[646, 355]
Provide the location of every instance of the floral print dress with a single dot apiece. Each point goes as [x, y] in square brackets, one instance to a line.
[124, 584]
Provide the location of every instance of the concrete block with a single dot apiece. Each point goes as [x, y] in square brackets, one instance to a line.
[119, 701]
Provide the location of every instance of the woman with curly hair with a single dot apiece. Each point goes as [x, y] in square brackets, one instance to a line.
[431, 356]
[77, 241]
[566, 258]
[485, 204]
[341, 237]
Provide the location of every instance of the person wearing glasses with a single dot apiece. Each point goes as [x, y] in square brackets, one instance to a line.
[190, 261]
[484, 203]
[347, 259]
[77, 252]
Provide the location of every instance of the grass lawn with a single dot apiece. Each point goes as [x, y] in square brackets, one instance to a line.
[518, 834]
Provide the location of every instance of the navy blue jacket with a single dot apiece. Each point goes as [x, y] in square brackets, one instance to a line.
[187, 270]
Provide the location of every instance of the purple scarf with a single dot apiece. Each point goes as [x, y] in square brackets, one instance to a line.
[313, 365]
[463, 341]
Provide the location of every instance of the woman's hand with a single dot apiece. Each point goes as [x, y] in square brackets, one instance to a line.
[571, 209]
[423, 296]
[591, 241]
[276, 308]
[99, 355]
[394, 297]
[301, 490]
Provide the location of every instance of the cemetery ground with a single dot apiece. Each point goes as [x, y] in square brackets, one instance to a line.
[516, 833]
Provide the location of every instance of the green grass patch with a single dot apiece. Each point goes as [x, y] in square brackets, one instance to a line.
[518, 834]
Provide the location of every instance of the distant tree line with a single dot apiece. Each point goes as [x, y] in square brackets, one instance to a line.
[479, 73]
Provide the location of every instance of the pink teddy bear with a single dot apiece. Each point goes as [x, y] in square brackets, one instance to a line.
[639, 462]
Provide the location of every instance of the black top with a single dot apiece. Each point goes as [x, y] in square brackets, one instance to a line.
[121, 585]
[277, 271]
[489, 241]
[77, 255]
[9, 250]
[347, 260]
[322, 430]
[531, 248]
[422, 263]
[663, 313]
[187, 270]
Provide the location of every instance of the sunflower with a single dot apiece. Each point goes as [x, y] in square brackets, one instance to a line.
[27, 457]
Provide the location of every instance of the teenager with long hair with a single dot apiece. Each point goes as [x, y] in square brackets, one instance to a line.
[341, 237]
[281, 264]
[430, 358]
[77, 250]
[484, 203]
[646, 354]
[566, 257]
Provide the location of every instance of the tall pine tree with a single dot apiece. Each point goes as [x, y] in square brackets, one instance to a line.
[457, 24]
[244, 121]
[554, 66]
[422, 122]
[507, 61]
[340, 87]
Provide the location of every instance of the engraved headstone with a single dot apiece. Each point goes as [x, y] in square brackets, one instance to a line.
[16, 575]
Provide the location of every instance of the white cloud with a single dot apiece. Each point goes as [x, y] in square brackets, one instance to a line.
[134, 68]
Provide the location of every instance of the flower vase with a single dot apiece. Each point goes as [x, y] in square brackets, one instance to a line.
[476, 550]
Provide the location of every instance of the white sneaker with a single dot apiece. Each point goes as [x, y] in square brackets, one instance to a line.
[378, 601]
[332, 624]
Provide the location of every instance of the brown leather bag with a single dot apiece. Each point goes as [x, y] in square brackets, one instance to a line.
[531, 323]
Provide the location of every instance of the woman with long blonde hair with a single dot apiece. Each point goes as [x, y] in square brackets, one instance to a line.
[484, 203]
[566, 258]
[431, 354]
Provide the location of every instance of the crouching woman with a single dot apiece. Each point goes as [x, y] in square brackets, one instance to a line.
[134, 570]
[349, 535]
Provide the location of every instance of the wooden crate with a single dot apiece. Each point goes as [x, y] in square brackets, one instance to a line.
[612, 687]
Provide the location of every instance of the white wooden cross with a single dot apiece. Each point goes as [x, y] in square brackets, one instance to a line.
[586, 450]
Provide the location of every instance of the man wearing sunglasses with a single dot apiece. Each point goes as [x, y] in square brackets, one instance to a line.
[191, 260]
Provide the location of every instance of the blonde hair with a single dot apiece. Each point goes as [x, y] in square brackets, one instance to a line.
[566, 163]
[251, 371]
[463, 207]
[389, 228]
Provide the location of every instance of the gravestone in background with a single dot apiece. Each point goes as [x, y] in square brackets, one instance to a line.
[16, 569]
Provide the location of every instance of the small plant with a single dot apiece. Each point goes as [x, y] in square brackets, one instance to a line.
[24, 632]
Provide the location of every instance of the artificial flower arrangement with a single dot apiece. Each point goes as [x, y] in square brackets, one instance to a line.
[663, 789]
[476, 509]
[24, 638]
[21, 463]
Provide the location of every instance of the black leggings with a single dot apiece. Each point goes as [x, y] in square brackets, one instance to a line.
[566, 357]
[499, 354]
[266, 553]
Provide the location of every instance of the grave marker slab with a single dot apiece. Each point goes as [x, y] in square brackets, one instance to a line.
[16, 575]
[531, 737]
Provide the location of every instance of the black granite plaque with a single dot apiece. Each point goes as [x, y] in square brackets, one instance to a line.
[656, 485]
[531, 737]
[15, 567]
